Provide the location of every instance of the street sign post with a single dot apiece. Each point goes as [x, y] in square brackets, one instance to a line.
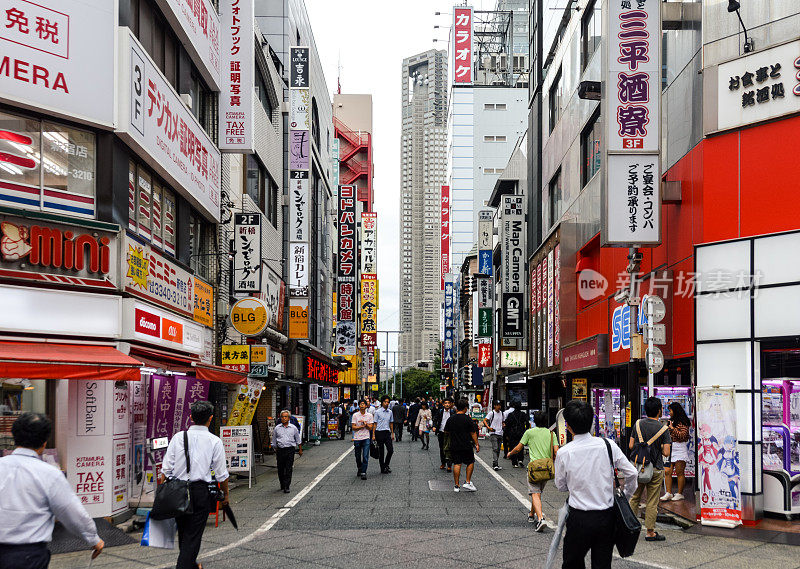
[654, 334]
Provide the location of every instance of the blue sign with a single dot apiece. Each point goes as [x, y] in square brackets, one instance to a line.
[485, 262]
[621, 328]
[641, 317]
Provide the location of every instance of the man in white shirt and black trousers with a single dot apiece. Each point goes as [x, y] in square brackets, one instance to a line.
[582, 468]
[206, 455]
[286, 438]
[32, 495]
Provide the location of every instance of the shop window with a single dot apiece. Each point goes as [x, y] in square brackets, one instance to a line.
[151, 208]
[47, 166]
[591, 155]
[590, 32]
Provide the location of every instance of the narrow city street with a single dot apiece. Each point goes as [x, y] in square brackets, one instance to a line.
[409, 518]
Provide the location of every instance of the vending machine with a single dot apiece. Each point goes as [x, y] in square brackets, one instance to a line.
[780, 445]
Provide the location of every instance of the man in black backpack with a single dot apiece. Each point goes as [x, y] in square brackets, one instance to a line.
[517, 422]
[650, 443]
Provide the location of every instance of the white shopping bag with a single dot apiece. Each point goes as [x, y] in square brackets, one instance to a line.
[159, 533]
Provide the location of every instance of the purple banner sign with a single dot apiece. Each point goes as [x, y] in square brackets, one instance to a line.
[299, 149]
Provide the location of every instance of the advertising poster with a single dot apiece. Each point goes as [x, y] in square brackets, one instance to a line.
[247, 257]
[189, 390]
[718, 458]
[246, 402]
[237, 442]
[138, 399]
[161, 412]
[120, 478]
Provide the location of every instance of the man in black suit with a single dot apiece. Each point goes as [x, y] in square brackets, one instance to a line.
[413, 411]
[399, 412]
[440, 418]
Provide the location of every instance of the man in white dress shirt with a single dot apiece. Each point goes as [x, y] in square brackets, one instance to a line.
[286, 439]
[206, 454]
[582, 468]
[32, 494]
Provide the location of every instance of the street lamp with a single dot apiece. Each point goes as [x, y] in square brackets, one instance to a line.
[749, 44]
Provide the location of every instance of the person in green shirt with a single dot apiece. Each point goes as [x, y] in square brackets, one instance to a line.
[541, 443]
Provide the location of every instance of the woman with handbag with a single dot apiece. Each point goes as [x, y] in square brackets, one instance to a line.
[423, 424]
[542, 447]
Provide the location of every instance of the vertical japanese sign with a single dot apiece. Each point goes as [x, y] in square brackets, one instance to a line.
[449, 321]
[298, 318]
[446, 232]
[550, 306]
[161, 411]
[632, 68]
[238, 57]
[485, 242]
[299, 184]
[346, 272]
[513, 252]
[369, 243]
[247, 255]
[462, 46]
[718, 457]
[484, 296]
[369, 310]
[534, 339]
[556, 304]
[335, 162]
[485, 355]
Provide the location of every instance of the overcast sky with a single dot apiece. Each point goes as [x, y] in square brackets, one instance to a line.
[371, 38]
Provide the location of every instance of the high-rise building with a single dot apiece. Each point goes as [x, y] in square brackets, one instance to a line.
[423, 159]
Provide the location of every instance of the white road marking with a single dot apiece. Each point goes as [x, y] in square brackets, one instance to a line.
[527, 503]
[270, 523]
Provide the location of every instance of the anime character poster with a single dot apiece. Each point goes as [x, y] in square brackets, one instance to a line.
[718, 458]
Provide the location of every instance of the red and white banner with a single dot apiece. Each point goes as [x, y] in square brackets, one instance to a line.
[445, 244]
[462, 46]
[485, 355]
[238, 54]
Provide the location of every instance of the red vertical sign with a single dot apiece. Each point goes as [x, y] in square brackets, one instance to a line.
[445, 245]
[462, 49]
[485, 355]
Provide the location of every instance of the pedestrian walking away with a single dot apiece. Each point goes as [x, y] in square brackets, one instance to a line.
[679, 429]
[362, 423]
[286, 439]
[383, 434]
[423, 424]
[463, 438]
[542, 445]
[516, 423]
[413, 412]
[494, 422]
[439, 423]
[399, 413]
[207, 461]
[581, 468]
[33, 494]
[651, 442]
[343, 417]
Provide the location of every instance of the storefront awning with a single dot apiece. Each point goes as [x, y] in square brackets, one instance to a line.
[218, 373]
[41, 360]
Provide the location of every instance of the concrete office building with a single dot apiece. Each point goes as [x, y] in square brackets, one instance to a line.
[423, 171]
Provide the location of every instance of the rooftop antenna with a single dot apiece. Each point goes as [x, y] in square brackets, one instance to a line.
[339, 76]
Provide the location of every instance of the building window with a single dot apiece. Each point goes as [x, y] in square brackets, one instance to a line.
[590, 148]
[494, 107]
[151, 208]
[151, 29]
[201, 245]
[262, 189]
[590, 32]
[315, 122]
[204, 105]
[497, 138]
[262, 92]
[556, 93]
[555, 198]
[47, 166]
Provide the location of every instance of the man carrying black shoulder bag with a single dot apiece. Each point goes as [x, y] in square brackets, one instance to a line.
[200, 467]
